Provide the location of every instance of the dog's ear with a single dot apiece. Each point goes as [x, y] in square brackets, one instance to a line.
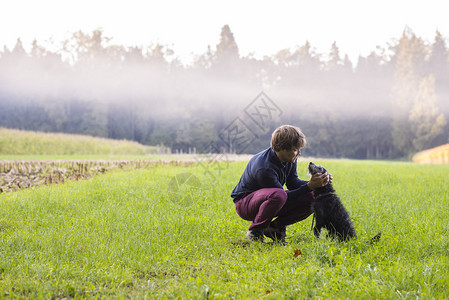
[320, 169]
[313, 169]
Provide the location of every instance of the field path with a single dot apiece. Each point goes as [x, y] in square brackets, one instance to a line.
[20, 174]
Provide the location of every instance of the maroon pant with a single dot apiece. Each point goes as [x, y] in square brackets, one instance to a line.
[263, 205]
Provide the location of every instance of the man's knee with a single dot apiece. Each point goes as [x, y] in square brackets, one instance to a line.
[278, 195]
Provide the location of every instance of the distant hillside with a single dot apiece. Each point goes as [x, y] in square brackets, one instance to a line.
[437, 155]
[18, 142]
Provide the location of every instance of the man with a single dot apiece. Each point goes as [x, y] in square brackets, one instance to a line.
[260, 197]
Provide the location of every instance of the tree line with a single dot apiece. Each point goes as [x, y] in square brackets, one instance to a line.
[390, 104]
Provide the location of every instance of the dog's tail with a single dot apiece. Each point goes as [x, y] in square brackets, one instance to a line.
[375, 238]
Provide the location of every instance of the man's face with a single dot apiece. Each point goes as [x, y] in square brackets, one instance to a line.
[289, 155]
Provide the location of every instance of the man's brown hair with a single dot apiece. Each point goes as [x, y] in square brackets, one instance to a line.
[287, 137]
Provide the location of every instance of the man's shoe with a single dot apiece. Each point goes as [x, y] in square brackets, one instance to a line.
[254, 235]
[278, 235]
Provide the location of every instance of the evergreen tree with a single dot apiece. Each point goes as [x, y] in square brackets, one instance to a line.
[347, 65]
[37, 51]
[438, 65]
[227, 54]
[426, 122]
[205, 60]
[18, 49]
[409, 57]
[438, 61]
[334, 62]
[307, 58]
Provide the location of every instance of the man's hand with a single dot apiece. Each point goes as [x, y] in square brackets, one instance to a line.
[318, 180]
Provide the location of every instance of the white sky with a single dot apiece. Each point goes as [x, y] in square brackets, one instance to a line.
[260, 27]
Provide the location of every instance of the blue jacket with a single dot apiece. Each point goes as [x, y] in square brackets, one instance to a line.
[265, 170]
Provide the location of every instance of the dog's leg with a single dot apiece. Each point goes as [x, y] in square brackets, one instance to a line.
[332, 232]
[316, 231]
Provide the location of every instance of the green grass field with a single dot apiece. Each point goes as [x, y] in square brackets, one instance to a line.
[19, 143]
[138, 235]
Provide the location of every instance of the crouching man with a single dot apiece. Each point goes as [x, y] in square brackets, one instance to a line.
[260, 197]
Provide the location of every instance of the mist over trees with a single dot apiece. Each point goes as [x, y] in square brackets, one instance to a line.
[390, 104]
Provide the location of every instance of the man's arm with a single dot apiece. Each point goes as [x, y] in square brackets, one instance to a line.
[293, 182]
[317, 180]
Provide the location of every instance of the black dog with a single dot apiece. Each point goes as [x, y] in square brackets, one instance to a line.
[329, 212]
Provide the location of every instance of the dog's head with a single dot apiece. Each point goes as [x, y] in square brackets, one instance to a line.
[313, 169]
